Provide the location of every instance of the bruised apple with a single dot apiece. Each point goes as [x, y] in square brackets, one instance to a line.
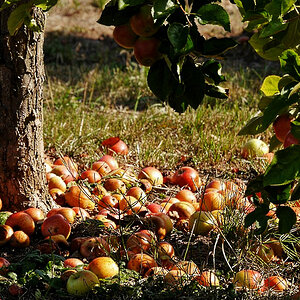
[187, 176]
[94, 247]
[249, 279]
[141, 263]
[202, 222]
[146, 50]
[79, 196]
[124, 36]
[152, 174]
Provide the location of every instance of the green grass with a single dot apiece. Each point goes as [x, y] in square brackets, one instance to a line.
[85, 104]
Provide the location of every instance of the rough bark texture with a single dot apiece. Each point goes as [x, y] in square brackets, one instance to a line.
[22, 173]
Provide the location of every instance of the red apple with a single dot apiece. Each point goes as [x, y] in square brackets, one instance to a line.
[21, 221]
[72, 262]
[124, 36]
[4, 263]
[36, 213]
[104, 267]
[142, 23]
[56, 224]
[281, 126]
[115, 145]
[79, 196]
[146, 50]
[187, 176]
[91, 175]
[111, 161]
[101, 167]
[290, 140]
[152, 174]
[94, 247]
[6, 233]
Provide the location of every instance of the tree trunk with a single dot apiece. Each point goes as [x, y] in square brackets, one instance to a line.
[22, 172]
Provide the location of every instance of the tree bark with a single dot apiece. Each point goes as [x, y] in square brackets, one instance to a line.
[22, 172]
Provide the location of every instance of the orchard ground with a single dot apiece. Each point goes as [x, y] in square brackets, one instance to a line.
[95, 90]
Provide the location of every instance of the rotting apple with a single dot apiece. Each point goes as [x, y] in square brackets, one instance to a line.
[115, 145]
[248, 279]
[202, 222]
[276, 283]
[186, 177]
[6, 233]
[36, 213]
[101, 167]
[141, 263]
[186, 196]
[94, 247]
[79, 196]
[181, 210]
[72, 262]
[4, 264]
[152, 174]
[19, 239]
[208, 278]
[111, 161]
[91, 175]
[115, 185]
[139, 242]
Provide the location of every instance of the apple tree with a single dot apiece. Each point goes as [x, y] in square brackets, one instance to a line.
[22, 172]
[164, 36]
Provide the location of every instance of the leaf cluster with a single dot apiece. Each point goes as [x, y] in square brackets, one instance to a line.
[187, 71]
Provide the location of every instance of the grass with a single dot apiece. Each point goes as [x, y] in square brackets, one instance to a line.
[85, 104]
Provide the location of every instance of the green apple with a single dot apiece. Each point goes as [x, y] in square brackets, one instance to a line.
[254, 147]
[81, 282]
[202, 222]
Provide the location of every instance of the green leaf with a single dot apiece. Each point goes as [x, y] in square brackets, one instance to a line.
[284, 168]
[295, 129]
[264, 102]
[248, 4]
[290, 63]
[214, 46]
[163, 8]
[254, 126]
[278, 194]
[296, 193]
[274, 143]
[279, 103]
[127, 3]
[259, 45]
[17, 17]
[272, 28]
[177, 34]
[259, 216]
[212, 69]
[161, 80]
[270, 85]
[193, 80]
[295, 90]
[285, 81]
[214, 14]
[111, 15]
[291, 37]
[279, 7]
[45, 5]
[287, 218]
[255, 186]
[216, 91]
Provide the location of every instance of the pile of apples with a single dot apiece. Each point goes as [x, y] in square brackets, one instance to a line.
[110, 194]
[139, 34]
